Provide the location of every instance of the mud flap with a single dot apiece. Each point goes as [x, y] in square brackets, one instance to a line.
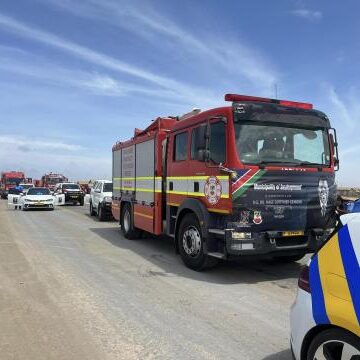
[14, 202]
[59, 199]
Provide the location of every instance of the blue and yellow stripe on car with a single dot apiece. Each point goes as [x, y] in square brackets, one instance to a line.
[335, 283]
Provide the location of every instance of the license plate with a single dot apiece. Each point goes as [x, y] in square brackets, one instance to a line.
[40, 203]
[73, 196]
[293, 233]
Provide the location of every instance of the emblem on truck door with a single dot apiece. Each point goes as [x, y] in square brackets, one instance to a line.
[323, 190]
[212, 190]
[257, 218]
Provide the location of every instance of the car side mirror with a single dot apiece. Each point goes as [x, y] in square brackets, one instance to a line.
[98, 191]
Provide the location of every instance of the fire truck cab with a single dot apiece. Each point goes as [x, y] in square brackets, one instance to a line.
[253, 178]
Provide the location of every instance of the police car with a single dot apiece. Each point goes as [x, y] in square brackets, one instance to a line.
[325, 318]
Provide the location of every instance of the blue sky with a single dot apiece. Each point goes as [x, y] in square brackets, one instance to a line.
[75, 76]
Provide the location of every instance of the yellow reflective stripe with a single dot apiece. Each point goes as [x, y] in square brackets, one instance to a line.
[139, 178]
[339, 307]
[202, 177]
[143, 215]
[137, 189]
[223, 196]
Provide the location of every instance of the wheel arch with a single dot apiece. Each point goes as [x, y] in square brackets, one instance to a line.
[192, 206]
[314, 332]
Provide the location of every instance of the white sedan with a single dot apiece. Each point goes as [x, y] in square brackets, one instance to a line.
[35, 198]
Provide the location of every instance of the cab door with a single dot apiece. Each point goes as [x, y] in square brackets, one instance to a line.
[209, 182]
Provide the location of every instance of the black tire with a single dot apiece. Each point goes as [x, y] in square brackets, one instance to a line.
[332, 340]
[127, 223]
[289, 258]
[101, 213]
[92, 212]
[191, 245]
[81, 202]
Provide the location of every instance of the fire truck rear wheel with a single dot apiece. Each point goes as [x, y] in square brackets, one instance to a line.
[127, 223]
[191, 245]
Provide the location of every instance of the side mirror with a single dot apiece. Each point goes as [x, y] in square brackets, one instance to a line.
[97, 191]
[203, 155]
[334, 145]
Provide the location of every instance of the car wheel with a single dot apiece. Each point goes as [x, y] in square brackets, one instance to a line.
[101, 213]
[191, 245]
[92, 211]
[81, 202]
[127, 223]
[334, 344]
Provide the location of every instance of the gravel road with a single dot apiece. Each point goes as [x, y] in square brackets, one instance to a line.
[72, 287]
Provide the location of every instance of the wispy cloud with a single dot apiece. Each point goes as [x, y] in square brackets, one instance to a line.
[180, 90]
[40, 145]
[94, 82]
[342, 108]
[312, 15]
[152, 25]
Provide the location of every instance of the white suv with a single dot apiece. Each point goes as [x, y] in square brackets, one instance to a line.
[101, 198]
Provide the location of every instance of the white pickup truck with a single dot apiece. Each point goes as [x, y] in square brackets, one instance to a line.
[100, 199]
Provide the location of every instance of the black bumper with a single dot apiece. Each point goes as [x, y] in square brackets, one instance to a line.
[42, 206]
[266, 243]
[106, 207]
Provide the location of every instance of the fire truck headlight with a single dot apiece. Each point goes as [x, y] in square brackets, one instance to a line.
[240, 235]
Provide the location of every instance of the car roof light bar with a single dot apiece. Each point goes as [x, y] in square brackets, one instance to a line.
[295, 104]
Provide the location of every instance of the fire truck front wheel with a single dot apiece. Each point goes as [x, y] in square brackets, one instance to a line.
[191, 245]
[127, 223]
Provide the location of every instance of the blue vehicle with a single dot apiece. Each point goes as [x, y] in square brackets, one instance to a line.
[353, 206]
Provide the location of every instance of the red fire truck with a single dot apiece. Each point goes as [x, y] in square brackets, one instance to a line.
[9, 179]
[253, 178]
[51, 179]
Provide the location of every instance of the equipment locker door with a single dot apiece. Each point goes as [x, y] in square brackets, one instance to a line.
[145, 186]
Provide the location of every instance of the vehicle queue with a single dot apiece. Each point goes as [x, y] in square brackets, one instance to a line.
[266, 172]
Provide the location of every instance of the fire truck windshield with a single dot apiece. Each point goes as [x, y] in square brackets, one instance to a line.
[274, 144]
[54, 181]
[14, 180]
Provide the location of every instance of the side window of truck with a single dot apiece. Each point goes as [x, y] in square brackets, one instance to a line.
[180, 146]
[196, 143]
[217, 142]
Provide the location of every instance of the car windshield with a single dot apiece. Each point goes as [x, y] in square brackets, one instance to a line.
[71, 186]
[38, 191]
[14, 180]
[27, 186]
[108, 187]
[267, 144]
[54, 181]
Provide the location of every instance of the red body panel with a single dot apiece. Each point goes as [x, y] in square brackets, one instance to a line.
[192, 171]
[7, 177]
